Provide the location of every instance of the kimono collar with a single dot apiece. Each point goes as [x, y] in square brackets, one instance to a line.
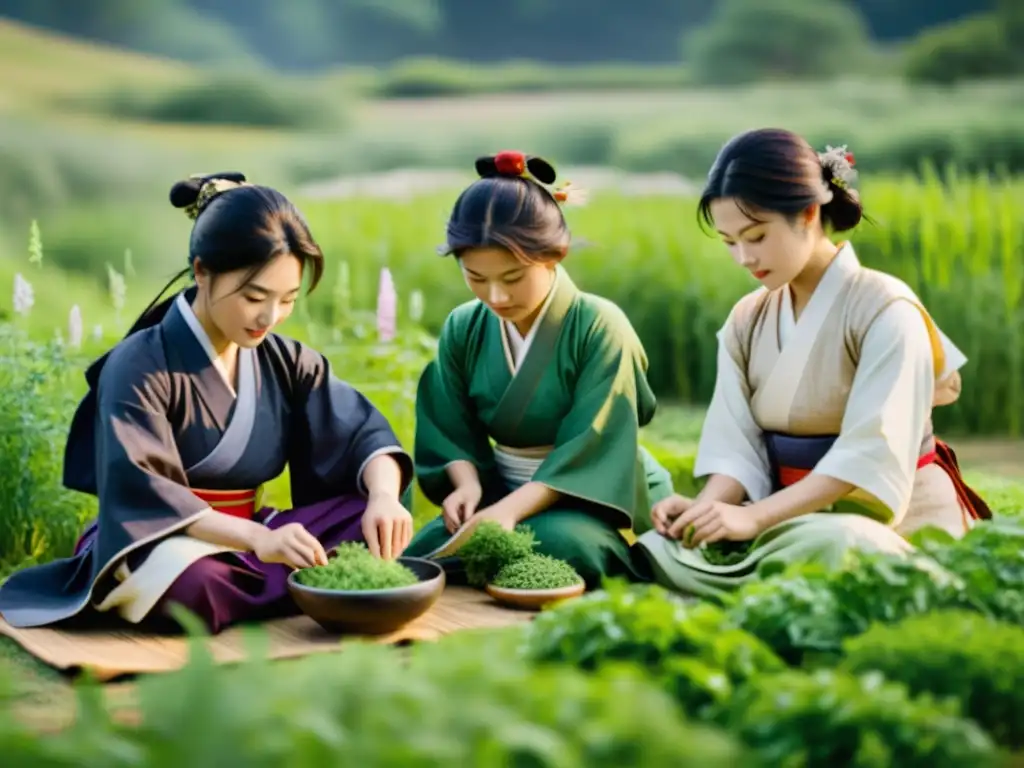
[183, 327]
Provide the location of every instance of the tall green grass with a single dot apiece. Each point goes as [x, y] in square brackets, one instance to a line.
[958, 241]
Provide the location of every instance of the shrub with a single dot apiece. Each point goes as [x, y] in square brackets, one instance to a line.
[231, 98]
[748, 40]
[424, 78]
[805, 613]
[800, 720]
[690, 649]
[990, 561]
[970, 49]
[39, 519]
[966, 656]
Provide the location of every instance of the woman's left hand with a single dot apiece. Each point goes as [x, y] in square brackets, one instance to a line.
[708, 521]
[387, 526]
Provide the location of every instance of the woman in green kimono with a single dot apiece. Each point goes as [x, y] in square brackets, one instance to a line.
[532, 410]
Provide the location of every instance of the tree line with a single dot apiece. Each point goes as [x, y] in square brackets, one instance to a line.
[315, 34]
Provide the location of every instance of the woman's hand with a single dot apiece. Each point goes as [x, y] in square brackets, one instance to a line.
[704, 522]
[461, 504]
[291, 545]
[667, 510]
[387, 526]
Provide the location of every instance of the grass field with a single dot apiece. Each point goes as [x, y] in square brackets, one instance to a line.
[98, 186]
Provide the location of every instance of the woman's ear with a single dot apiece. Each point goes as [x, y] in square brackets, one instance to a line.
[200, 273]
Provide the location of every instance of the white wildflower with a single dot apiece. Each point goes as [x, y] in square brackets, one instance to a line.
[24, 297]
[75, 327]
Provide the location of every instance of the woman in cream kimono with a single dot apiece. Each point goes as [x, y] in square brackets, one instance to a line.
[818, 437]
[531, 412]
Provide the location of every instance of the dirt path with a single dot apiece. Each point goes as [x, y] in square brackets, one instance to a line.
[996, 457]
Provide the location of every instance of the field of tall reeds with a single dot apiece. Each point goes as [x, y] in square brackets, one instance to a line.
[957, 240]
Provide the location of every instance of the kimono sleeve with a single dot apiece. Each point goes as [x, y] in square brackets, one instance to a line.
[731, 442]
[448, 428]
[596, 454]
[887, 410]
[336, 432]
[141, 484]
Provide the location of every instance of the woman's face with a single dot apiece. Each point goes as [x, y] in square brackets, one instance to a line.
[774, 248]
[245, 312]
[510, 288]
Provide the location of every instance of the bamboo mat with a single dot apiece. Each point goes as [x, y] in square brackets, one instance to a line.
[109, 654]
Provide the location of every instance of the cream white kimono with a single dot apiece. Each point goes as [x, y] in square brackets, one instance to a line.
[860, 369]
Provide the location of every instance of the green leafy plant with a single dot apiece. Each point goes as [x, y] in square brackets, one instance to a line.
[826, 718]
[354, 567]
[727, 552]
[537, 572]
[958, 654]
[376, 707]
[491, 548]
[990, 560]
[805, 612]
[689, 648]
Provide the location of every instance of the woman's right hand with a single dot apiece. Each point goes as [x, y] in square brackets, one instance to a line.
[291, 545]
[461, 504]
[667, 510]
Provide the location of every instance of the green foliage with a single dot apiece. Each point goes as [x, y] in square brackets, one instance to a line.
[419, 78]
[689, 648]
[230, 98]
[536, 572]
[748, 40]
[353, 567]
[965, 656]
[800, 720]
[366, 707]
[990, 560]
[806, 613]
[490, 548]
[975, 48]
[39, 519]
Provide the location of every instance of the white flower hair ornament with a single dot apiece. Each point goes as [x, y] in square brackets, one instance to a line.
[839, 161]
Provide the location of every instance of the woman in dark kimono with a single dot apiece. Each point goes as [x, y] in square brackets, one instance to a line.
[197, 408]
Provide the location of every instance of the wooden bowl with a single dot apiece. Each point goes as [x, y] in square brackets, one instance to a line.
[371, 611]
[534, 599]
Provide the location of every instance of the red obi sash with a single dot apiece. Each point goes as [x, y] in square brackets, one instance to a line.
[790, 475]
[242, 504]
[792, 458]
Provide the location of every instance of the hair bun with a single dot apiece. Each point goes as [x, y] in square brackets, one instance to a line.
[185, 193]
[513, 164]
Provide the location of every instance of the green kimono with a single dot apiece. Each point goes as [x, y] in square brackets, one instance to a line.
[568, 416]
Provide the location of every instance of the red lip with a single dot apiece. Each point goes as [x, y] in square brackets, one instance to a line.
[256, 334]
[762, 274]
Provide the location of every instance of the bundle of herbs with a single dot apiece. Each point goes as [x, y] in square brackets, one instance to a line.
[353, 568]
[537, 572]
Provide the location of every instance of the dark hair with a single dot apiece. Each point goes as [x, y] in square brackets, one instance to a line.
[771, 169]
[510, 207]
[237, 226]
